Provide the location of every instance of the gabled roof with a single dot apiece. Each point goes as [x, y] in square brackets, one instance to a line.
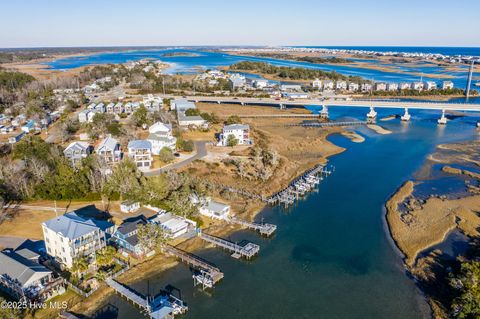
[77, 146]
[19, 268]
[128, 227]
[71, 225]
[160, 127]
[107, 144]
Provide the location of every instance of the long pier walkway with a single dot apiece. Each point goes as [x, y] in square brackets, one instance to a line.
[248, 251]
[263, 228]
[130, 295]
[195, 262]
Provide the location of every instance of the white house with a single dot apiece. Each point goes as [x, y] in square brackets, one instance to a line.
[328, 85]
[317, 84]
[392, 87]
[352, 86]
[129, 206]
[68, 237]
[237, 81]
[404, 86]
[260, 83]
[241, 132]
[173, 225]
[430, 85]
[366, 87]
[181, 105]
[417, 86]
[447, 85]
[341, 85]
[140, 151]
[83, 116]
[215, 209]
[290, 87]
[160, 137]
[380, 86]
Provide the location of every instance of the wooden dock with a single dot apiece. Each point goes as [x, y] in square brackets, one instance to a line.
[264, 228]
[130, 295]
[164, 306]
[195, 262]
[248, 251]
[299, 186]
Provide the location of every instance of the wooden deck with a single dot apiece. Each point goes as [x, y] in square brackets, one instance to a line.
[264, 228]
[195, 262]
[248, 251]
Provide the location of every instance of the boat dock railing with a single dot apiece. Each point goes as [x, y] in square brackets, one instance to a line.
[130, 295]
[152, 307]
[195, 262]
[263, 228]
[299, 186]
[247, 251]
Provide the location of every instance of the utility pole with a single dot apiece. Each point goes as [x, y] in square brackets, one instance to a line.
[469, 80]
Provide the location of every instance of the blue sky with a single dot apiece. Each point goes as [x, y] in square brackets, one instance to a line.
[34, 23]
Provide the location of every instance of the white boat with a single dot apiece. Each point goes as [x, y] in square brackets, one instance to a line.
[372, 114]
[477, 84]
[443, 119]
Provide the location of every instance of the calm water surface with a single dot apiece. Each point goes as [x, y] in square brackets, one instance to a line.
[209, 60]
[332, 256]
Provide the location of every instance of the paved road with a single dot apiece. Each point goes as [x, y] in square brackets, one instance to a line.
[439, 105]
[201, 151]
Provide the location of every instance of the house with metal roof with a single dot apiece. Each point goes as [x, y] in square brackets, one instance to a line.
[174, 226]
[68, 237]
[214, 209]
[140, 151]
[23, 278]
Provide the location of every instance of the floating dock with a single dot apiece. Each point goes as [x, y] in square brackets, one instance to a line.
[164, 306]
[247, 251]
[203, 267]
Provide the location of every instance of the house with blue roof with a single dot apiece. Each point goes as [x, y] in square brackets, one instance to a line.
[68, 237]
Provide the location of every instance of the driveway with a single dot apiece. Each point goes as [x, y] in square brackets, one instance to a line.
[201, 152]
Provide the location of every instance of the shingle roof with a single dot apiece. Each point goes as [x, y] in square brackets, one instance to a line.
[71, 225]
[19, 268]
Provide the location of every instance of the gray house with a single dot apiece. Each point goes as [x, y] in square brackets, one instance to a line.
[77, 151]
[22, 278]
[109, 150]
